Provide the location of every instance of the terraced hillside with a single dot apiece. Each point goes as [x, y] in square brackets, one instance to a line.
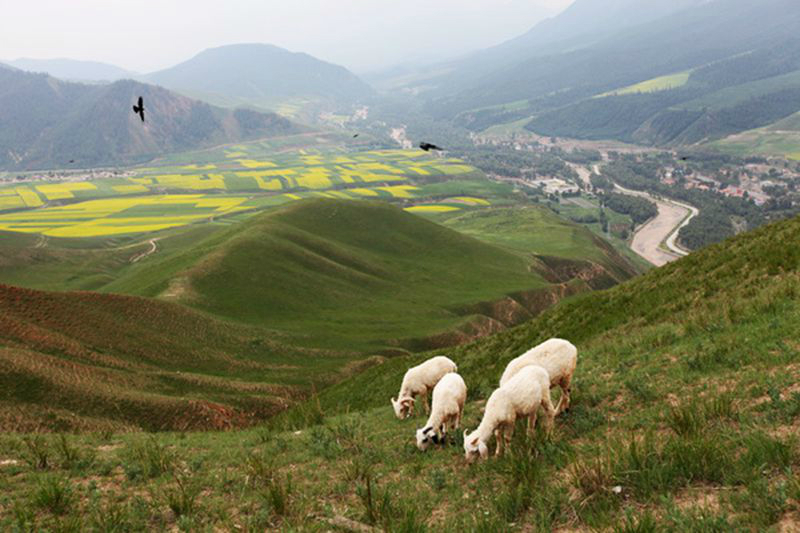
[685, 417]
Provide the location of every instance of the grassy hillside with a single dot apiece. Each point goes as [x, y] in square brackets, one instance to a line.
[295, 297]
[685, 418]
[86, 360]
[779, 139]
[366, 276]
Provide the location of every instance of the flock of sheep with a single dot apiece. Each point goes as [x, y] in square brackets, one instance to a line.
[524, 388]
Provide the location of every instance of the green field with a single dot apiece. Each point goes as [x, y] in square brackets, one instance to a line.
[662, 83]
[685, 418]
[781, 139]
[762, 141]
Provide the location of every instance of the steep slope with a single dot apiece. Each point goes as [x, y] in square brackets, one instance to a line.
[262, 74]
[368, 276]
[711, 311]
[685, 411]
[86, 360]
[47, 123]
[72, 69]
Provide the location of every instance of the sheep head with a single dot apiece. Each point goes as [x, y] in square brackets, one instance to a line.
[425, 436]
[474, 448]
[403, 407]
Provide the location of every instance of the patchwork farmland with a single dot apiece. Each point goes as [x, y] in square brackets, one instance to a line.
[239, 179]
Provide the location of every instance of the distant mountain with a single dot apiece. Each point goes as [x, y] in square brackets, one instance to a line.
[263, 75]
[45, 122]
[705, 71]
[72, 69]
[582, 24]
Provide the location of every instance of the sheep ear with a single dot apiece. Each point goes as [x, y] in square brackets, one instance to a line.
[427, 429]
[465, 435]
[407, 401]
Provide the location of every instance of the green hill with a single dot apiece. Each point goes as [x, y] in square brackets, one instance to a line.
[297, 297]
[368, 276]
[685, 417]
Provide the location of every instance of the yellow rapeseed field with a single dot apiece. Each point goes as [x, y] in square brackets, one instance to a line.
[431, 209]
[30, 198]
[471, 200]
[400, 191]
[95, 218]
[64, 191]
[251, 163]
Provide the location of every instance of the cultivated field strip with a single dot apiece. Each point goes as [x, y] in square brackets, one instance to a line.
[241, 179]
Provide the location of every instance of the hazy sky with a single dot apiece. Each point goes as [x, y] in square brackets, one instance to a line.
[146, 35]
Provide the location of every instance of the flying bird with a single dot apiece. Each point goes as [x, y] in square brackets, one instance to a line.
[428, 147]
[356, 135]
[139, 109]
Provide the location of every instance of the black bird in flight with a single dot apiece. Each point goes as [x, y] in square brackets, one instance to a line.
[428, 147]
[356, 135]
[139, 109]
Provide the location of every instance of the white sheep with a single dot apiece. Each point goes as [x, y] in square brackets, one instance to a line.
[558, 357]
[521, 395]
[418, 381]
[447, 404]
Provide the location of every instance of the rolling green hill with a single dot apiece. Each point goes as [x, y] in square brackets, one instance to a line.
[296, 297]
[685, 417]
[368, 276]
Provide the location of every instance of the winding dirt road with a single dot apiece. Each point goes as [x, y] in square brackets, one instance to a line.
[153, 249]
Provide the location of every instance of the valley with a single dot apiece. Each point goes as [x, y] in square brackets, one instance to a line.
[215, 306]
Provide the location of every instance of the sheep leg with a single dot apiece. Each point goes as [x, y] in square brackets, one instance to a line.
[509, 432]
[566, 389]
[549, 411]
[532, 423]
[498, 437]
[424, 398]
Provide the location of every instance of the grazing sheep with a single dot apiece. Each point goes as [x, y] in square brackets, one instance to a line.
[558, 357]
[418, 381]
[447, 405]
[521, 395]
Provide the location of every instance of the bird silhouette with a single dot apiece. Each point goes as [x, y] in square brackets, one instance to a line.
[139, 109]
[428, 147]
[356, 135]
